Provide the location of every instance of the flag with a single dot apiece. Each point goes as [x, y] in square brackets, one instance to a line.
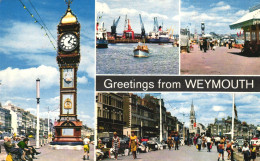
[235, 109]
[194, 125]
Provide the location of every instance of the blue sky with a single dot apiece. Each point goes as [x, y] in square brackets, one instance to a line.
[209, 106]
[26, 54]
[217, 14]
[167, 12]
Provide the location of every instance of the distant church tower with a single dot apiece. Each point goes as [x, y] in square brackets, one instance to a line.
[192, 129]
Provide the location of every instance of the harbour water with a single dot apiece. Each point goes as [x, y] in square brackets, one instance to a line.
[119, 59]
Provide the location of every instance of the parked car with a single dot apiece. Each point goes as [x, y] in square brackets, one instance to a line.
[152, 143]
[239, 144]
[143, 147]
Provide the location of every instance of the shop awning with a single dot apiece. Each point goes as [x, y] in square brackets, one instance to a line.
[251, 18]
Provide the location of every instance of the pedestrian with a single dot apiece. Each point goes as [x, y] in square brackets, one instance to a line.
[253, 152]
[201, 44]
[203, 142]
[246, 152]
[176, 141]
[133, 144]
[232, 151]
[86, 142]
[115, 144]
[217, 141]
[205, 45]
[209, 144]
[229, 44]
[228, 149]
[170, 142]
[199, 142]
[211, 44]
[194, 140]
[221, 148]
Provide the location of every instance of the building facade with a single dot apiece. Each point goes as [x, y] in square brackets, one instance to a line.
[109, 114]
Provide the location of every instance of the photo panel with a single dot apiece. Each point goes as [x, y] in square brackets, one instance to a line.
[137, 37]
[177, 126]
[220, 37]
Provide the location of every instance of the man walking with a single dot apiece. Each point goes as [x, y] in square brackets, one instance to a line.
[176, 140]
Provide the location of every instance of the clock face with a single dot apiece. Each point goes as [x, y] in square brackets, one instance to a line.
[68, 104]
[68, 42]
[68, 78]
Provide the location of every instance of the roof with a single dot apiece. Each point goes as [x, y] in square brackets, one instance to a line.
[251, 18]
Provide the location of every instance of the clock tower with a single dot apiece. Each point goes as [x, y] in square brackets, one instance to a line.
[68, 126]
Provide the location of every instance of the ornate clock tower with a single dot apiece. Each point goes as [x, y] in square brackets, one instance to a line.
[68, 126]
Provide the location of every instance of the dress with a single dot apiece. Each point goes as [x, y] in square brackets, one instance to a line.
[133, 143]
[115, 144]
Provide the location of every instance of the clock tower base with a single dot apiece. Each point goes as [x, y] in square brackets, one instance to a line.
[67, 133]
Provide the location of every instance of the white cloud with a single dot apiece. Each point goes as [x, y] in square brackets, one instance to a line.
[15, 78]
[222, 115]
[241, 12]
[102, 8]
[25, 37]
[218, 108]
[221, 8]
[82, 80]
[87, 63]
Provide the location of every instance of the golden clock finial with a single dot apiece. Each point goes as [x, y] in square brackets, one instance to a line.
[69, 17]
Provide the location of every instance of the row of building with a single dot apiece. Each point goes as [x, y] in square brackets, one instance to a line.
[14, 119]
[127, 112]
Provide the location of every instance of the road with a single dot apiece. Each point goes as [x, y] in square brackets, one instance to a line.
[186, 153]
[222, 61]
[50, 154]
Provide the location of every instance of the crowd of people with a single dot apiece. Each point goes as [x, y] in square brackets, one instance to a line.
[133, 145]
[222, 145]
[19, 147]
[211, 44]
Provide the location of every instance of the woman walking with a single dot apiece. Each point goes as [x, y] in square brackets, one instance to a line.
[199, 142]
[253, 152]
[115, 144]
[221, 148]
[209, 143]
[246, 152]
[170, 142]
[133, 144]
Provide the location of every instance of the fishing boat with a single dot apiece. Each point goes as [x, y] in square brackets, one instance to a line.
[141, 51]
[101, 36]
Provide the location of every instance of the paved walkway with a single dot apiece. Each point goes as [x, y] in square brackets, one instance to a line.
[222, 61]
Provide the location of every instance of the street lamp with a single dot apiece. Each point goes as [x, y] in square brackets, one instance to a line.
[38, 109]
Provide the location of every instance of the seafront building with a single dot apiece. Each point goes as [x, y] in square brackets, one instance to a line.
[14, 119]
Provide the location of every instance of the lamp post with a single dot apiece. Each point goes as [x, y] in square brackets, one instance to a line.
[38, 109]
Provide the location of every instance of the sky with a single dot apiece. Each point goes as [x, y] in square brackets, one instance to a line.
[209, 106]
[166, 11]
[26, 54]
[217, 14]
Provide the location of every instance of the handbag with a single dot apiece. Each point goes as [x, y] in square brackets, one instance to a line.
[9, 157]
[197, 146]
[210, 146]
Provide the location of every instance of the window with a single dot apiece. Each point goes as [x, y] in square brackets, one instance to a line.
[253, 36]
[248, 38]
